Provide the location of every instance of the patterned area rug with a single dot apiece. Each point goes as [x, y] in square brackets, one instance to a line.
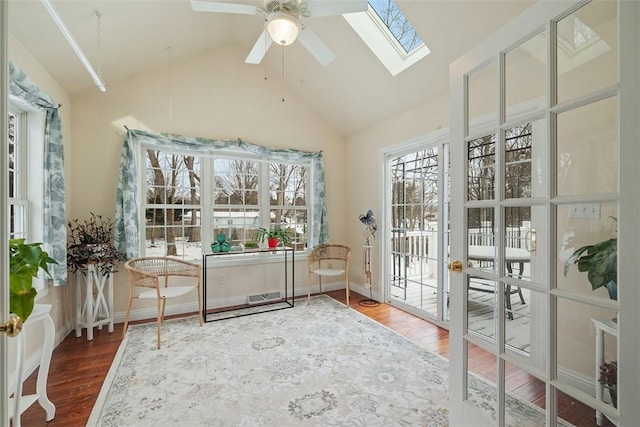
[312, 365]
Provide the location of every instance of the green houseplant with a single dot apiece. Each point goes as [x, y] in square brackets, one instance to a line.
[271, 235]
[600, 262]
[25, 261]
[91, 241]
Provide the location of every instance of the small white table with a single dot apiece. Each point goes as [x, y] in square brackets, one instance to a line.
[19, 403]
[602, 326]
[93, 310]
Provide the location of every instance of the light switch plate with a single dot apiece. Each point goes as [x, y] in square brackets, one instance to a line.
[585, 211]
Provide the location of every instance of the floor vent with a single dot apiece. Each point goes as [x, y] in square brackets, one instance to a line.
[261, 298]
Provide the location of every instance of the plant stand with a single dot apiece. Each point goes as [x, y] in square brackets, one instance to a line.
[19, 403]
[602, 326]
[93, 309]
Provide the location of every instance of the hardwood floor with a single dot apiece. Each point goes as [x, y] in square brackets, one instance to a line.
[79, 367]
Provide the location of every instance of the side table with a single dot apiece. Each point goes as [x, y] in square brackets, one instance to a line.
[19, 403]
[602, 326]
[93, 309]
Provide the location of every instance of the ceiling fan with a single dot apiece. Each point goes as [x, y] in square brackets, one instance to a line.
[282, 22]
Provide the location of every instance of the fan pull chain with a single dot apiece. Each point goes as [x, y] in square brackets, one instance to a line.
[171, 130]
[282, 75]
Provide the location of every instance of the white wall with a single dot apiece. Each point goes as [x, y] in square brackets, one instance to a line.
[214, 95]
[364, 176]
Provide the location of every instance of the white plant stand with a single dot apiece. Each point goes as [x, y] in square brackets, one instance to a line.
[602, 326]
[19, 403]
[94, 300]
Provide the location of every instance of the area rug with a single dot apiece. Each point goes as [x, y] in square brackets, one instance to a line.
[312, 365]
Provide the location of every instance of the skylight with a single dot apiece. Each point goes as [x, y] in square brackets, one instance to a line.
[389, 35]
[397, 23]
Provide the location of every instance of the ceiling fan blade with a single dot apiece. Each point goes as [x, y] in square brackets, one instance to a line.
[319, 8]
[221, 7]
[312, 42]
[259, 49]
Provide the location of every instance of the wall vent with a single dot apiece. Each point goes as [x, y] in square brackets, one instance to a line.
[262, 298]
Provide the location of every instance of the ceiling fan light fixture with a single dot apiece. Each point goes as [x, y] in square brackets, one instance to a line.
[283, 28]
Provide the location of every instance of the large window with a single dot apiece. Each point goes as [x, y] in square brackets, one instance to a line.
[190, 199]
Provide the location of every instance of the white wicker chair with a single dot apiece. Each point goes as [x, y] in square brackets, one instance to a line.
[328, 260]
[145, 273]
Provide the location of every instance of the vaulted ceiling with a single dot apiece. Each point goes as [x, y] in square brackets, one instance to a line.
[351, 93]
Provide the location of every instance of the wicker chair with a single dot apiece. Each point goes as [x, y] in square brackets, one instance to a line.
[328, 260]
[145, 273]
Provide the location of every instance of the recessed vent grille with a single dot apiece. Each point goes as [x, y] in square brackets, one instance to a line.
[262, 298]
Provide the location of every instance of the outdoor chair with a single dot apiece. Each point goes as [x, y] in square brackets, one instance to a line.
[149, 279]
[328, 260]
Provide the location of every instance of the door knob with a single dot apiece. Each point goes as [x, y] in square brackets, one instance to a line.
[455, 266]
[530, 240]
[12, 327]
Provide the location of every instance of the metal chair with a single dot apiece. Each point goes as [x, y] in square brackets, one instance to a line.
[328, 260]
[145, 273]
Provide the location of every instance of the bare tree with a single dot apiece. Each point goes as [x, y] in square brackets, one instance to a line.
[397, 23]
[166, 189]
[287, 183]
[239, 184]
[415, 189]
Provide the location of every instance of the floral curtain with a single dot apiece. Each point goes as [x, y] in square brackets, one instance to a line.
[126, 218]
[55, 218]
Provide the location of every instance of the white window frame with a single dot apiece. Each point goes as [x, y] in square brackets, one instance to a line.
[31, 176]
[206, 204]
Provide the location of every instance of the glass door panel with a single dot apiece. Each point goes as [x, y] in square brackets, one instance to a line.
[525, 76]
[482, 388]
[481, 168]
[414, 230]
[481, 307]
[586, 49]
[587, 156]
[483, 96]
[525, 394]
[581, 226]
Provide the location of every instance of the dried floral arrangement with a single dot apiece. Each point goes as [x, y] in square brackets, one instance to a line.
[91, 241]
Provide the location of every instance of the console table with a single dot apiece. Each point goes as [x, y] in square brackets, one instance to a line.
[93, 310]
[286, 302]
[19, 403]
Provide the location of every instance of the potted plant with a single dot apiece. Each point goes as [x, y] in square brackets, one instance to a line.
[609, 379]
[25, 261]
[91, 241]
[600, 261]
[272, 236]
[251, 245]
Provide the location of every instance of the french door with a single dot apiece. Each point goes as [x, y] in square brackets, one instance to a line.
[417, 177]
[4, 246]
[544, 160]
